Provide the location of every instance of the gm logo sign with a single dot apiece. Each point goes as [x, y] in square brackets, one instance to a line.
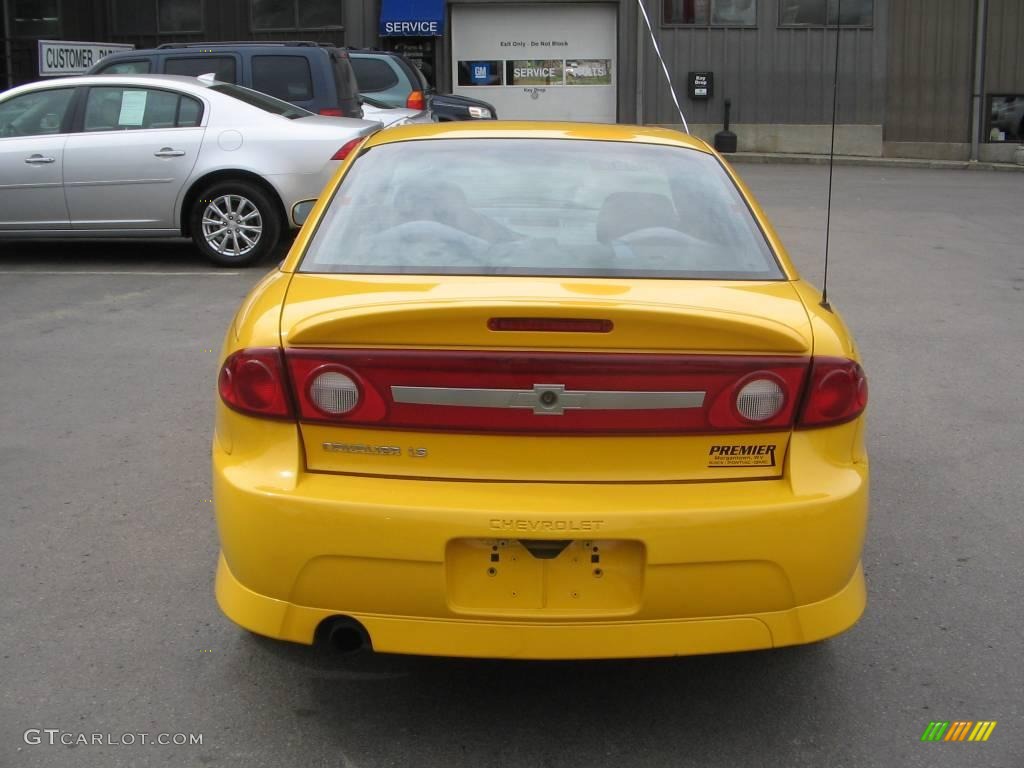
[958, 730]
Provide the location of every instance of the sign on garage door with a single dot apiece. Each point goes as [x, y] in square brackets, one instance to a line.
[537, 62]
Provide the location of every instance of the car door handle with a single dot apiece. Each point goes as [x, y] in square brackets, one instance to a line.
[169, 152]
[39, 160]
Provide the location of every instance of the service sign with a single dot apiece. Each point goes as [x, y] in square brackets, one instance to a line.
[422, 28]
[534, 72]
[65, 57]
[412, 18]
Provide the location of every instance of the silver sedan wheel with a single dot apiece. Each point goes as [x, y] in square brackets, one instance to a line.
[232, 225]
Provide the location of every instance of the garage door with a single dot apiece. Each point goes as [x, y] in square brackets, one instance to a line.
[548, 61]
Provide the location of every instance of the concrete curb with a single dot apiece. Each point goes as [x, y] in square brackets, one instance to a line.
[738, 158]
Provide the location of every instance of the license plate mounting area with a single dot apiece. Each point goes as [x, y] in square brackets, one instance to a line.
[548, 577]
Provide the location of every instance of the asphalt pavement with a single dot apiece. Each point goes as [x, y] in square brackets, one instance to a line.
[108, 625]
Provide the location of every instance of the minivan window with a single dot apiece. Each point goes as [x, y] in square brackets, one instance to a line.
[374, 75]
[283, 77]
[222, 67]
[416, 77]
[138, 67]
[261, 101]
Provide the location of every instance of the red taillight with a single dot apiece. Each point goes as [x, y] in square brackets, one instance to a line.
[550, 324]
[252, 382]
[347, 148]
[837, 393]
[416, 100]
[332, 112]
[713, 384]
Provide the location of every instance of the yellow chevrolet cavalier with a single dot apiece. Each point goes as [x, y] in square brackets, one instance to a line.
[539, 391]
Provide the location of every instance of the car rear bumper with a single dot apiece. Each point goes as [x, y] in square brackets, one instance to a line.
[682, 568]
[552, 640]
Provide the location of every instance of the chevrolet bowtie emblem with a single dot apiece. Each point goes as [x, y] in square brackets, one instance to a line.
[547, 399]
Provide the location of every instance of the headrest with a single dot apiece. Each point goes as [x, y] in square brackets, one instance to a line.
[625, 212]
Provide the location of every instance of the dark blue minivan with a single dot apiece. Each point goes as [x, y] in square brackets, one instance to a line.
[310, 75]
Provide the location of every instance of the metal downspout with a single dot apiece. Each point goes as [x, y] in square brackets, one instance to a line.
[981, 24]
[8, 56]
[640, 40]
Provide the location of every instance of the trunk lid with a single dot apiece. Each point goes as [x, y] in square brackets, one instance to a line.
[457, 384]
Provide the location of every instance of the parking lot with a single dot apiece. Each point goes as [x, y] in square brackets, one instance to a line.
[108, 360]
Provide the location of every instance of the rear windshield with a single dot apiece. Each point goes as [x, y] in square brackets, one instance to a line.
[539, 207]
[261, 101]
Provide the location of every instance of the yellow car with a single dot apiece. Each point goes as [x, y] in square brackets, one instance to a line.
[539, 391]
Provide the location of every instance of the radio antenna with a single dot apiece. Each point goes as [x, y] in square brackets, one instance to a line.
[831, 159]
[664, 68]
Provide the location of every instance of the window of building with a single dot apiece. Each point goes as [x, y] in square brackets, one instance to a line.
[1006, 118]
[273, 14]
[35, 18]
[296, 14]
[535, 72]
[126, 19]
[315, 14]
[702, 13]
[820, 13]
[480, 72]
[179, 15]
[284, 77]
[222, 67]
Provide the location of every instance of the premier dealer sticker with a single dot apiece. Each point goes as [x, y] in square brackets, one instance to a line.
[762, 455]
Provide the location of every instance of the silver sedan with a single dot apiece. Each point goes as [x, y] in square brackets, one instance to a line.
[161, 155]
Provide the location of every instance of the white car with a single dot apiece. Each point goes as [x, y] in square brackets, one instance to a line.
[390, 117]
[161, 155]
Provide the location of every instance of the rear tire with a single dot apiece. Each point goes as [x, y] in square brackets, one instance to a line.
[234, 223]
